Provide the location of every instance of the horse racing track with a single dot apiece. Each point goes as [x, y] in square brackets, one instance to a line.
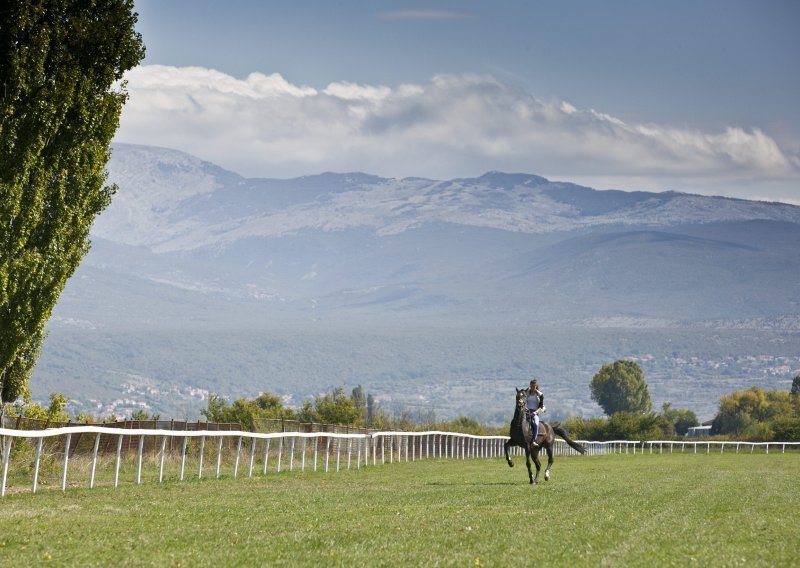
[659, 509]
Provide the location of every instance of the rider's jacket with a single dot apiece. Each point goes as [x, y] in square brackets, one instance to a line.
[535, 400]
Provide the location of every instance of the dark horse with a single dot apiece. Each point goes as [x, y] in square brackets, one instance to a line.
[520, 435]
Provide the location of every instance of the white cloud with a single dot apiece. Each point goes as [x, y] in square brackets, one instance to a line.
[451, 126]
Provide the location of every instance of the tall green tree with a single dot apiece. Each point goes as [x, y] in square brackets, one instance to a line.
[620, 387]
[795, 386]
[61, 63]
[331, 408]
[680, 419]
[741, 411]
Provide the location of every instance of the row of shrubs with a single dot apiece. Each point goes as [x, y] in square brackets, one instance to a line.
[753, 414]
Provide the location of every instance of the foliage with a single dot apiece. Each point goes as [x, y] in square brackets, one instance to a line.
[14, 380]
[621, 426]
[620, 386]
[467, 425]
[85, 417]
[143, 416]
[245, 412]
[60, 101]
[786, 429]
[681, 420]
[795, 386]
[755, 413]
[54, 412]
[332, 408]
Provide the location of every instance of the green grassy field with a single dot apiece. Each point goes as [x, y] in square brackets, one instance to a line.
[621, 510]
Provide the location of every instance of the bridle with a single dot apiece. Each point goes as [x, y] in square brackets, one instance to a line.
[522, 405]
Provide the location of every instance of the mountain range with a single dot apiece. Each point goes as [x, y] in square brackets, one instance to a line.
[189, 254]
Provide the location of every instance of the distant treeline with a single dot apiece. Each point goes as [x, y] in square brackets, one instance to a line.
[753, 414]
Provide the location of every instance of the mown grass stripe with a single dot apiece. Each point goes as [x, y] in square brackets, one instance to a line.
[659, 510]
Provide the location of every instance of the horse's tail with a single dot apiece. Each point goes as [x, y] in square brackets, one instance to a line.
[572, 444]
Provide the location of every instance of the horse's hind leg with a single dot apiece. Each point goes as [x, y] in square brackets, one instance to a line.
[538, 466]
[549, 462]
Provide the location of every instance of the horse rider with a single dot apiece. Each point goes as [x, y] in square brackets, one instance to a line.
[535, 406]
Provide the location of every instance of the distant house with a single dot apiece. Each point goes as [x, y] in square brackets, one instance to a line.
[697, 431]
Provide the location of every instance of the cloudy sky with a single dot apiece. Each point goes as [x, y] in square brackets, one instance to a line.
[682, 95]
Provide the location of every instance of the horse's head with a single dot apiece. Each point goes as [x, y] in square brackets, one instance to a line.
[522, 399]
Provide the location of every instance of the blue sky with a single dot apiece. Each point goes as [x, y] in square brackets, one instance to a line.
[689, 96]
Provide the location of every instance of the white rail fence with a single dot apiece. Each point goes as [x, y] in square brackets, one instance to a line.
[322, 450]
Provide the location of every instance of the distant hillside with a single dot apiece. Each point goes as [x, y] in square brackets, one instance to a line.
[187, 247]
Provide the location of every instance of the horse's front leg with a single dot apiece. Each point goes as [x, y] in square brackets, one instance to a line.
[528, 463]
[508, 457]
[538, 465]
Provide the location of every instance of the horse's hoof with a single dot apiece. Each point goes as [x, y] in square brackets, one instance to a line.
[510, 464]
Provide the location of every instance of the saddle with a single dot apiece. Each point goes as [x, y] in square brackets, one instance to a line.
[541, 433]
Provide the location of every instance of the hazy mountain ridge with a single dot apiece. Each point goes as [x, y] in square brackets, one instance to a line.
[175, 202]
[504, 245]
[201, 280]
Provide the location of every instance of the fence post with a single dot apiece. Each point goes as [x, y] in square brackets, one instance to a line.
[252, 456]
[183, 454]
[291, 453]
[119, 457]
[349, 449]
[36, 463]
[6, 456]
[66, 461]
[303, 454]
[327, 453]
[202, 452]
[238, 453]
[219, 455]
[161, 460]
[94, 460]
[139, 466]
